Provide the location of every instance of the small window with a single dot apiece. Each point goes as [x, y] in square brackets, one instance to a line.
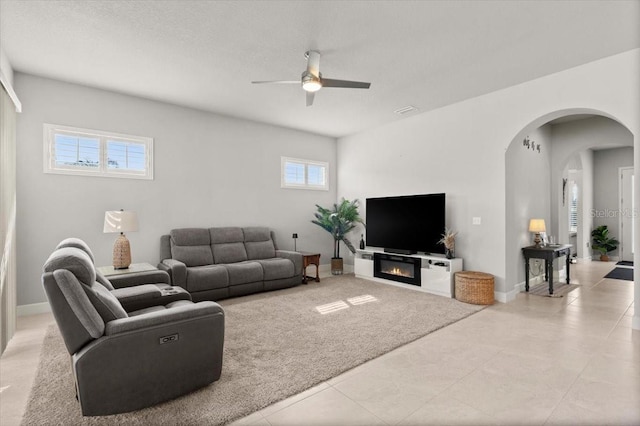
[70, 150]
[304, 174]
[573, 208]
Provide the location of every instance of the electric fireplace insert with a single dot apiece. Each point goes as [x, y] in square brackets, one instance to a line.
[397, 268]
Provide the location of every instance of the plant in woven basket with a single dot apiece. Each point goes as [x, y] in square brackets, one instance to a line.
[339, 221]
[602, 242]
[449, 241]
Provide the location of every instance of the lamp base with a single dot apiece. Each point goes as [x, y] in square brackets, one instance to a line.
[121, 253]
[537, 240]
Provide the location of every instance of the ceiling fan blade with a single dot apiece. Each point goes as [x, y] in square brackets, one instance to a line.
[313, 62]
[329, 82]
[310, 96]
[277, 82]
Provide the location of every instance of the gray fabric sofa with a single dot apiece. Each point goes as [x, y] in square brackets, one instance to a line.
[216, 263]
[124, 361]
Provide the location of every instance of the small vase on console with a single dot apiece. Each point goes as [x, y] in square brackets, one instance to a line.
[449, 241]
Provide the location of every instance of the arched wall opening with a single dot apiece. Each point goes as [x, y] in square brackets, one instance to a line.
[536, 168]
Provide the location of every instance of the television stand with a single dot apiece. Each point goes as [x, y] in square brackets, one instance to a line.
[399, 251]
[436, 271]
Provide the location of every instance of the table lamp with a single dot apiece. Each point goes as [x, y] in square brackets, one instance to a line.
[537, 226]
[121, 221]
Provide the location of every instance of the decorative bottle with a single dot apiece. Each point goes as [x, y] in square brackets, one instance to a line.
[361, 241]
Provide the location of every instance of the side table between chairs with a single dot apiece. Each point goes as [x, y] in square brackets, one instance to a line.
[308, 259]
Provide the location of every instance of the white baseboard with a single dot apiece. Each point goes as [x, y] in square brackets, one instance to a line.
[509, 296]
[33, 309]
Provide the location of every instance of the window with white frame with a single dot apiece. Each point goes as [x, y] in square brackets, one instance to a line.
[71, 150]
[304, 174]
[573, 207]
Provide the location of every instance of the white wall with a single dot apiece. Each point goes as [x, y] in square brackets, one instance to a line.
[585, 202]
[570, 140]
[210, 170]
[5, 67]
[528, 177]
[460, 149]
[606, 182]
[9, 105]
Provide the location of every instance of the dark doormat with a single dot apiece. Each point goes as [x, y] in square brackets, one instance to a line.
[625, 263]
[621, 274]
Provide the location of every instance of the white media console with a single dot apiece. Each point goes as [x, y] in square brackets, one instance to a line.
[436, 272]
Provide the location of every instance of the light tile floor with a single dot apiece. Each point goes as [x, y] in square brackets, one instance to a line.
[534, 361]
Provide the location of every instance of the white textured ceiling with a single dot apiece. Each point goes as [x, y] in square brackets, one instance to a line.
[204, 54]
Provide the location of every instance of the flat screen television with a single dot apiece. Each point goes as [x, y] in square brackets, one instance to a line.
[406, 224]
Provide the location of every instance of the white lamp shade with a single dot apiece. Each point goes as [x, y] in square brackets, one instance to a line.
[120, 221]
[537, 225]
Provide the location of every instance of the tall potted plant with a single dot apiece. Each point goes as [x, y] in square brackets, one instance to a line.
[602, 242]
[339, 221]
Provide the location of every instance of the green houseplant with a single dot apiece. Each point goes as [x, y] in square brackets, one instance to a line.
[339, 221]
[602, 242]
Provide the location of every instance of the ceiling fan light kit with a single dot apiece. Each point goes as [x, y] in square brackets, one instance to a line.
[312, 80]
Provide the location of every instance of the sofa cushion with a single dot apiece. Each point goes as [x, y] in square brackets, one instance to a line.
[74, 260]
[78, 262]
[229, 253]
[277, 268]
[226, 235]
[208, 277]
[256, 233]
[77, 243]
[191, 246]
[105, 302]
[244, 272]
[258, 243]
[260, 250]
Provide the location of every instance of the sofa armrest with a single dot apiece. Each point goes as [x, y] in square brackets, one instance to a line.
[140, 278]
[178, 271]
[158, 318]
[137, 293]
[147, 295]
[293, 256]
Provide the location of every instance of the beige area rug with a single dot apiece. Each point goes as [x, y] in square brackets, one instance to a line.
[277, 344]
[559, 289]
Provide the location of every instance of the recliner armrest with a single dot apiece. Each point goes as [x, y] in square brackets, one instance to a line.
[140, 278]
[152, 319]
[138, 297]
[178, 271]
[293, 256]
[139, 292]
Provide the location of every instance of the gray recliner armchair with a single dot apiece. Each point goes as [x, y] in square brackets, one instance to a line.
[134, 291]
[127, 361]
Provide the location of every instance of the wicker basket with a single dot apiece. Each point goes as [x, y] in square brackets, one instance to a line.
[474, 287]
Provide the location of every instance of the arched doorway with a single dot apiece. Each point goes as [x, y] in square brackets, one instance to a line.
[535, 176]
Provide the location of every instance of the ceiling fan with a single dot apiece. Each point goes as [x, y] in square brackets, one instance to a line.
[312, 79]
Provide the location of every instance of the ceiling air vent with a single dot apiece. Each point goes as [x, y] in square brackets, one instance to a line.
[405, 110]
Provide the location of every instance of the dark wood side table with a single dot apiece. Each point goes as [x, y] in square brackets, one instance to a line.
[309, 258]
[548, 253]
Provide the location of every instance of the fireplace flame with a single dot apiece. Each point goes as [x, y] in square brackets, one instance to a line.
[398, 272]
